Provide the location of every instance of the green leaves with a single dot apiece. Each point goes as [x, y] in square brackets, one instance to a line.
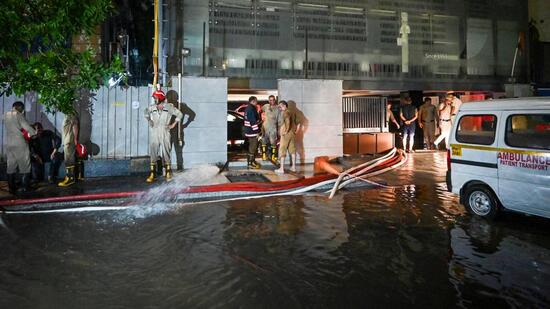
[35, 54]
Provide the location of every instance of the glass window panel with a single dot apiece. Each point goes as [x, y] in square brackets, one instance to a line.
[477, 129]
[528, 131]
[479, 47]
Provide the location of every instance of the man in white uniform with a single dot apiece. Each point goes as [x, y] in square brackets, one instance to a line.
[445, 122]
[159, 116]
[17, 148]
[455, 103]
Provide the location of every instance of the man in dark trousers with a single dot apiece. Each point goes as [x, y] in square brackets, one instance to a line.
[251, 131]
[408, 115]
[44, 150]
[17, 148]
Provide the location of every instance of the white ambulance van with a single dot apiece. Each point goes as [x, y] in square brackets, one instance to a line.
[500, 156]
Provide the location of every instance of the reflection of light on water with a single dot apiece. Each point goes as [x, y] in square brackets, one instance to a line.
[501, 264]
[3, 224]
[325, 229]
[411, 190]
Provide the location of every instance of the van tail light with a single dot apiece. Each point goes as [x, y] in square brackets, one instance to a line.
[448, 159]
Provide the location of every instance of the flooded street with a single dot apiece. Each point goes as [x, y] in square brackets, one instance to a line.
[409, 244]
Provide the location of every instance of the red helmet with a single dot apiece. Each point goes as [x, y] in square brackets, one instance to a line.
[26, 134]
[81, 151]
[159, 94]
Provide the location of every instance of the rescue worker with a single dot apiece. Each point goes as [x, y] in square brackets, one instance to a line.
[287, 132]
[408, 115]
[269, 128]
[70, 140]
[427, 120]
[455, 103]
[251, 131]
[159, 116]
[445, 123]
[17, 148]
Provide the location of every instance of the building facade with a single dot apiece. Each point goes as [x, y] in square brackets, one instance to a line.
[370, 44]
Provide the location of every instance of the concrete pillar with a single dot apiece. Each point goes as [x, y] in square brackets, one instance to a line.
[319, 103]
[206, 136]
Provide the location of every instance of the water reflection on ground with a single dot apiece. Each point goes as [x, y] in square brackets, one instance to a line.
[408, 246]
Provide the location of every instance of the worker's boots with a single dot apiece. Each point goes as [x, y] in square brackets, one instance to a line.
[69, 177]
[168, 168]
[80, 170]
[151, 177]
[12, 186]
[25, 183]
[264, 152]
[252, 163]
[273, 154]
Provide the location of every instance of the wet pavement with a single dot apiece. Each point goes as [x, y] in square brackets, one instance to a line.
[406, 244]
[237, 170]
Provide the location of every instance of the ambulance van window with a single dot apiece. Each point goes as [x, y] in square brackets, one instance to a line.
[528, 131]
[477, 129]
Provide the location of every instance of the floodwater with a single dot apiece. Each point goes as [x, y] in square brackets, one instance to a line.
[410, 245]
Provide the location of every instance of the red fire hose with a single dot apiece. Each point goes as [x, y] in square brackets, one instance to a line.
[280, 186]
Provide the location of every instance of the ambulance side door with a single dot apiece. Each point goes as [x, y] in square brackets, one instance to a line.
[472, 150]
[524, 161]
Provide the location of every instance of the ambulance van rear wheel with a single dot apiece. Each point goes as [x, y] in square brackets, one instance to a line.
[481, 201]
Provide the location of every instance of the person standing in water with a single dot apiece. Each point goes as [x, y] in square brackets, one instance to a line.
[159, 116]
[251, 131]
[70, 140]
[455, 103]
[287, 143]
[408, 115]
[271, 112]
[17, 148]
[445, 122]
[427, 120]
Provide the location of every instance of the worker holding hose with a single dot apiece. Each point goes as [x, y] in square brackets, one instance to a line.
[17, 148]
[159, 115]
[251, 131]
[269, 128]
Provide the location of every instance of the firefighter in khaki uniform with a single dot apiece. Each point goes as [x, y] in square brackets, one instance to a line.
[17, 148]
[287, 143]
[70, 140]
[269, 128]
[427, 120]
[159, 116]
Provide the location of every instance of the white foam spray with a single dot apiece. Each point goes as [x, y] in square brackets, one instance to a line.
[163, 198]
[5, 226]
